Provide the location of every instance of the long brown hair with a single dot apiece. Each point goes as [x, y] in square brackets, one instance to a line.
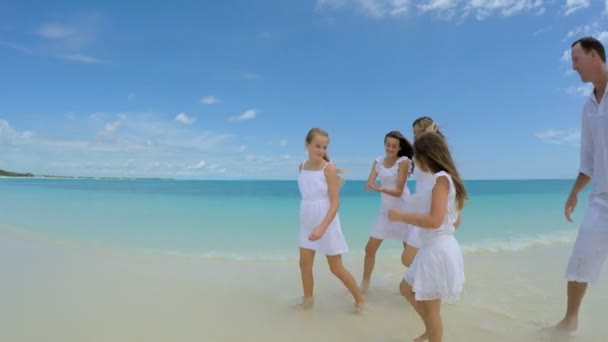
[432, 150]
[317, 131]
[405, 147]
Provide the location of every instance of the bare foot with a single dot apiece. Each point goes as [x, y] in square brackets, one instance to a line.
[565, 327]
[360, 307]
[423, 337]
[306, 303]
[364, 286]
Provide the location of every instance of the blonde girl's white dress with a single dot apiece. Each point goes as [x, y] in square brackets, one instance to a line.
[383, 228]
[437, 271]
[314, 205]
[423, 180]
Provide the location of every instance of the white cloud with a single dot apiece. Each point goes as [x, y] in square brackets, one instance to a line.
[485, 8]
[42, 51]
[125, 132]
[198, 166]
[65, 39]
[12, 137]
[128, 144]
[437, 5]
[560, 137]
[565, 60]
[56, 31]
[73, 32]
[575, 5]
[98, 116]
[372, 8]
[209, 100]
[594, 30]
[9, 134]
[131, 96]
[399, 7]
[580, 90]
[333, 4]
[77, 57]
[565, 56]
[18, 47]
[110, 128]
[584, 30]
[448, 8]
[183, 118]
[247, 115]
[283, 142]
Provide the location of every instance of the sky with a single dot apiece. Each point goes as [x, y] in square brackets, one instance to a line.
[228, 89]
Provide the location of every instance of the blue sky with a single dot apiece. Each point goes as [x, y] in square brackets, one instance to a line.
[227, 89]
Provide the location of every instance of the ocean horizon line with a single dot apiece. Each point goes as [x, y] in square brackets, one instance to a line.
[247, 179]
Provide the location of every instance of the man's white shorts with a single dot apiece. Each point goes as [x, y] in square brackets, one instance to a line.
[591, 247]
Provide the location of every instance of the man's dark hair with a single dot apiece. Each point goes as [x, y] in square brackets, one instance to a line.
[590, 43]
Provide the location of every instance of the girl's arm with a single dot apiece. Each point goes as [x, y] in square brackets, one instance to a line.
[439, 207]
[404, 168]
[371, 180]
[334, 195]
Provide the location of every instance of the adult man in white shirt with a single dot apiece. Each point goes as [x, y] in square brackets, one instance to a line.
[591, 247]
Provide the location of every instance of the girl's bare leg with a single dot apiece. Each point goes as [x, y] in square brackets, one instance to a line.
[408, 255]
[307, 257]
[434, 324]
[337, 268]
[406, 291]
[370, 260]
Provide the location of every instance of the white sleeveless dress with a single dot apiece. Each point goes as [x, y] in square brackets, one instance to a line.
[424, 180]
[383, 228]
[438, 268]
[314, 205]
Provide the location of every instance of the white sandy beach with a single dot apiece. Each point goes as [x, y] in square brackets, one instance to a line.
[53, 291]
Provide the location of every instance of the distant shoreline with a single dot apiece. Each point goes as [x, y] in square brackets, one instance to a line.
[10, 174]
[253, 179]
[83, 177]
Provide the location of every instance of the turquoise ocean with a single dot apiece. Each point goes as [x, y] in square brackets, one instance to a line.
[258, 220]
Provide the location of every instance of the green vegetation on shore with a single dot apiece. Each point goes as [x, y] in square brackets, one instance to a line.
[4, 173]
[14, 174]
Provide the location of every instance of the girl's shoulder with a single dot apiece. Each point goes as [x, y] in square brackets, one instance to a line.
[404, 159]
